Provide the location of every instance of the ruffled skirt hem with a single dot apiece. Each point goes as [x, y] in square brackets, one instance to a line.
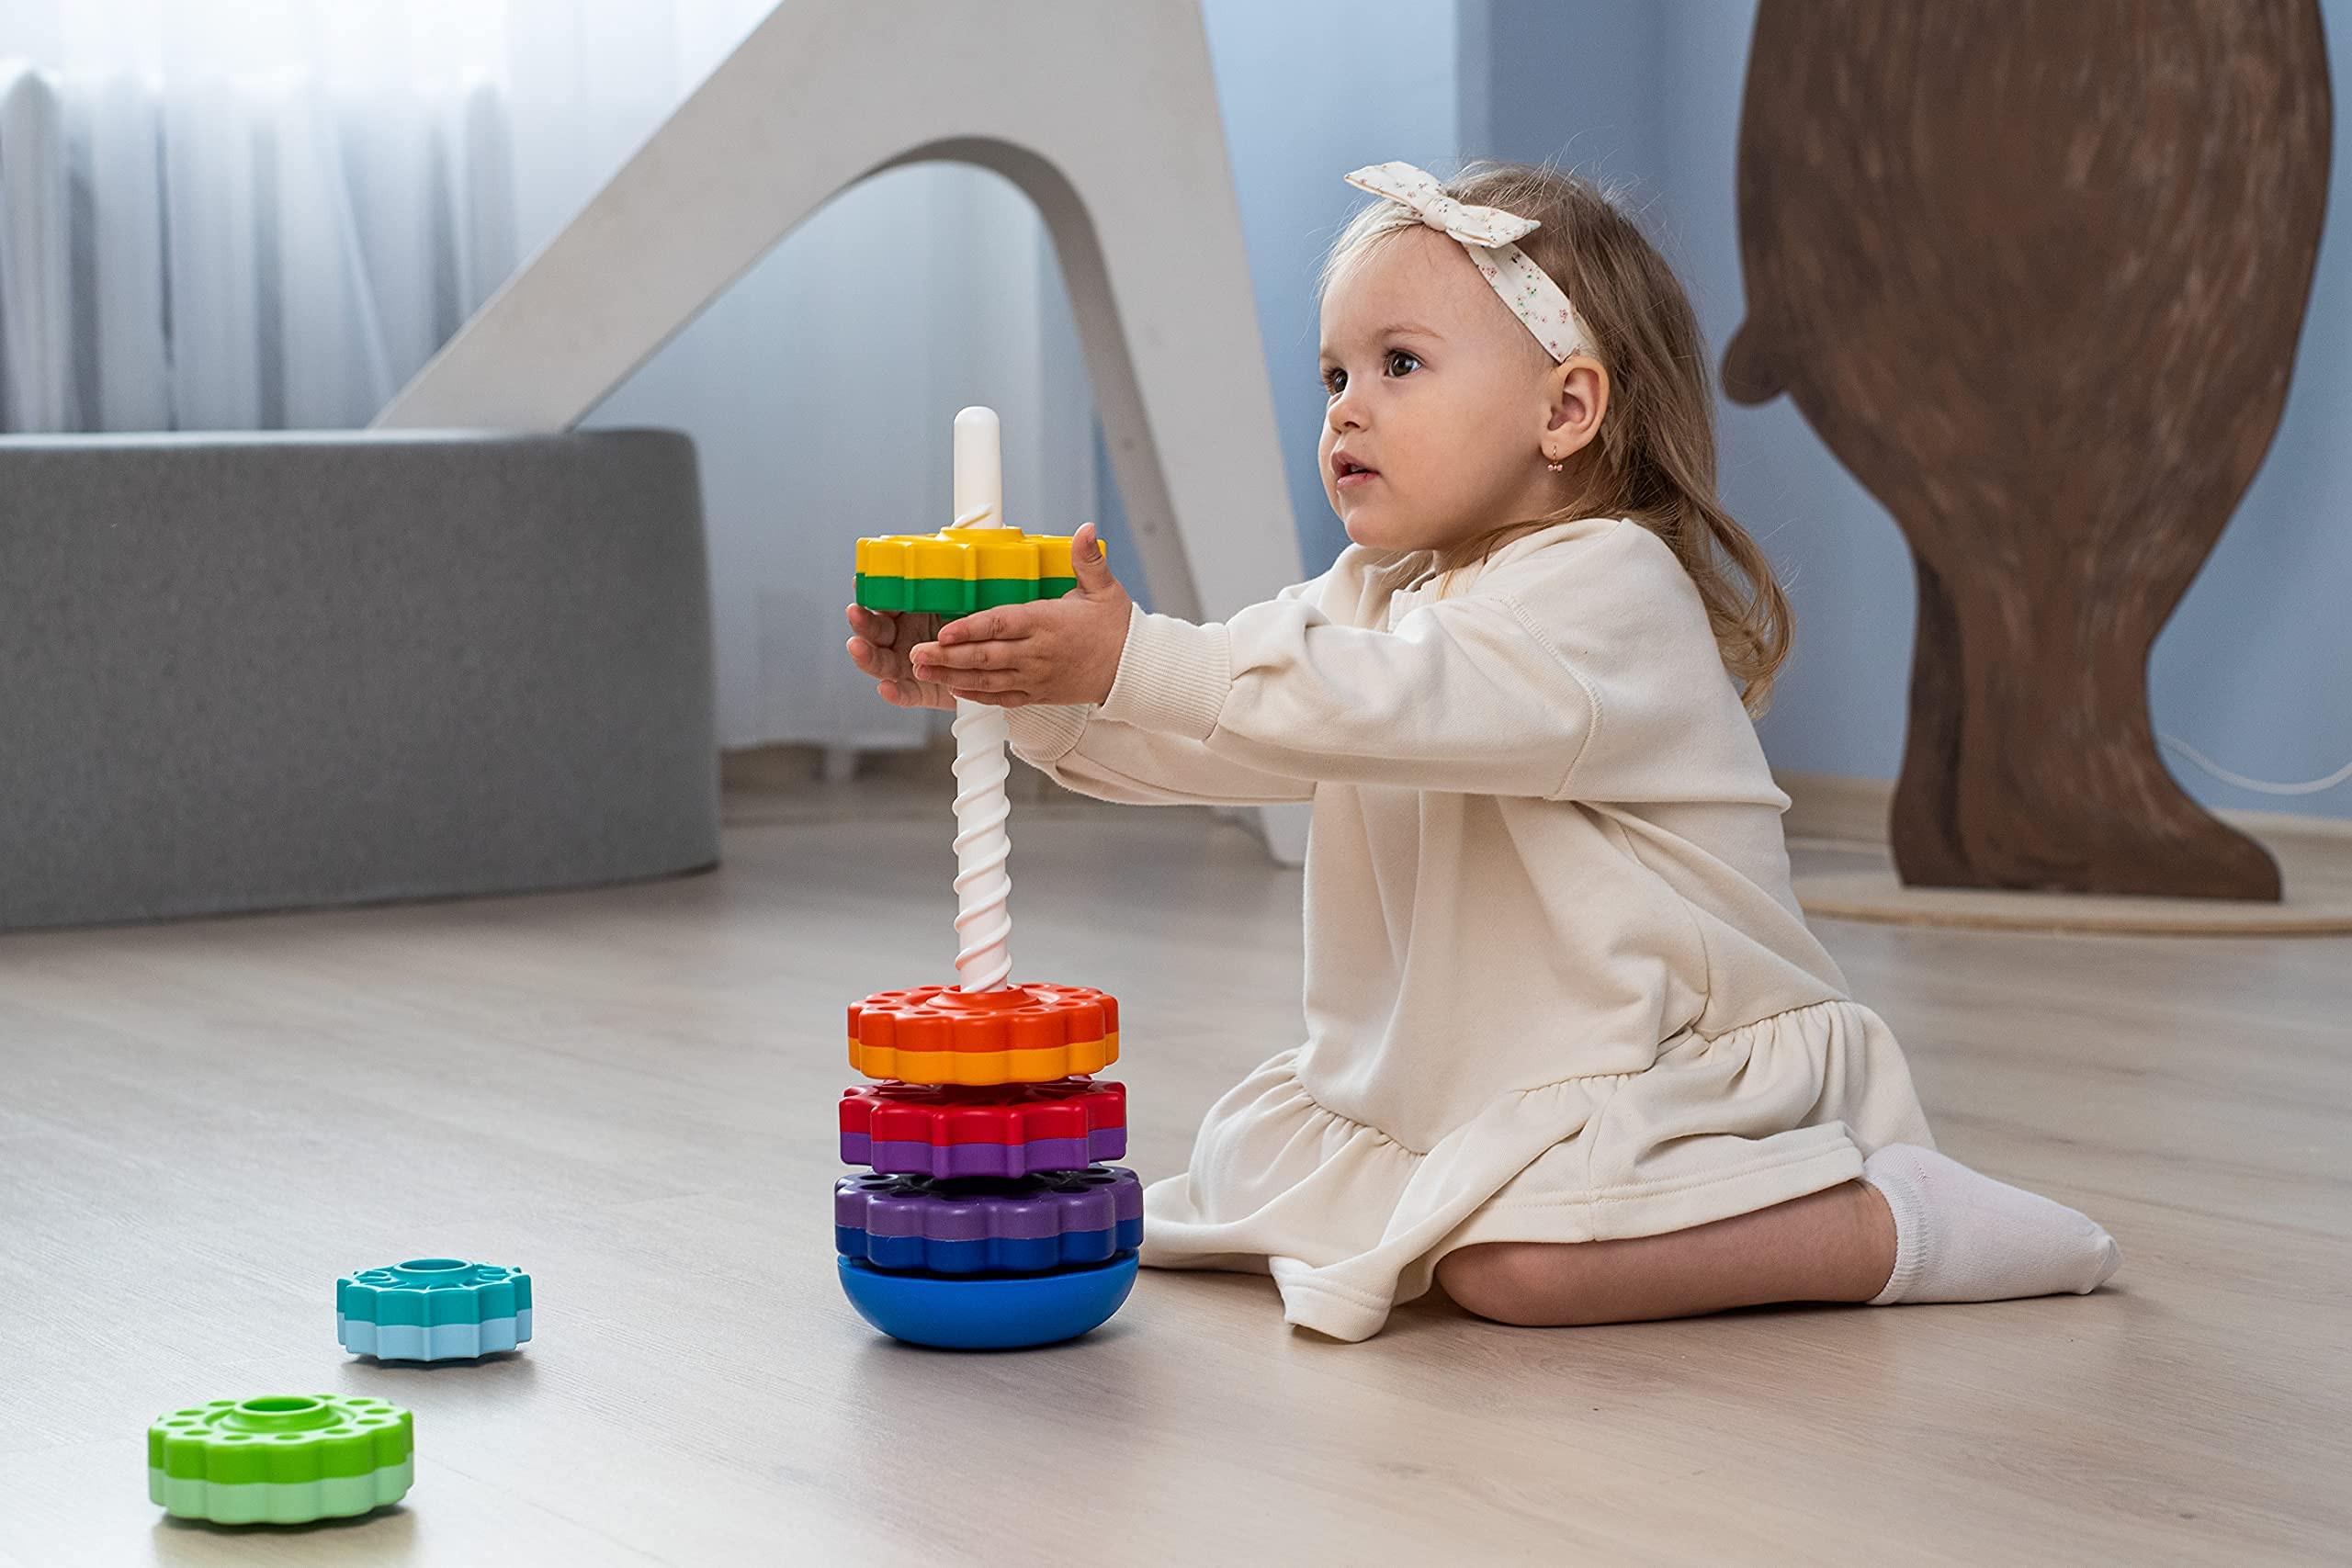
[1350, 1221]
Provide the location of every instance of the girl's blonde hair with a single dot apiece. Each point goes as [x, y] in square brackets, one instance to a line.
[1654, 460]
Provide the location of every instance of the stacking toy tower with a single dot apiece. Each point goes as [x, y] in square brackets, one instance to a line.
[989, 1220]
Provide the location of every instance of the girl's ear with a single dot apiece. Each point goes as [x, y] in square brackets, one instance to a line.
[1580, 400]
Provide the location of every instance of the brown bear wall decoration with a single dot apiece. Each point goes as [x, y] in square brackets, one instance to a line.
[2035, 272]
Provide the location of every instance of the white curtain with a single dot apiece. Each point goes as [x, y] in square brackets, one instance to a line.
[211, 222]
[331, 186]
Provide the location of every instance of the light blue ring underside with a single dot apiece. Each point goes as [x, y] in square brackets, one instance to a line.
[438, 1342]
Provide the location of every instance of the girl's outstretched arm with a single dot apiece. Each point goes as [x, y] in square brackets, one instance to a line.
[1067, 649]
[1469, 695]
[1584, 669]
[1079, 749]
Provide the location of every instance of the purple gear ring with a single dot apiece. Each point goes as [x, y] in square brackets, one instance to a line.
[1095, 1199]
[1038, 1224]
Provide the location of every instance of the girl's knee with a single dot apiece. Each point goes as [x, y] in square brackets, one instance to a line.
[1532, 1284]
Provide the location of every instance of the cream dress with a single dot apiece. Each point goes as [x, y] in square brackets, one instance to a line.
[1557, 987]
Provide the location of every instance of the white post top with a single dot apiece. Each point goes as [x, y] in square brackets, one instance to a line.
[980, 469]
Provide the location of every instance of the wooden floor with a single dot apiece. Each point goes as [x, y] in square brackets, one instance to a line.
[631, 1093]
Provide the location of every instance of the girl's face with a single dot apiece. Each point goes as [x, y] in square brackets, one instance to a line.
[1445, 396]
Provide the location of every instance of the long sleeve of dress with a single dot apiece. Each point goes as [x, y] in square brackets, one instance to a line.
[1472, 695]
[1585, 671]
[1078, 748]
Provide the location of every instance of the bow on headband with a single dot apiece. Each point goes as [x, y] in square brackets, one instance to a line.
[1486, 233]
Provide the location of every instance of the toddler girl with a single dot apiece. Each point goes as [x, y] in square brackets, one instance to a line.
[1571, 1050]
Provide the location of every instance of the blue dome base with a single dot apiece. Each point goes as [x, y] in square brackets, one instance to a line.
[1001, 1312]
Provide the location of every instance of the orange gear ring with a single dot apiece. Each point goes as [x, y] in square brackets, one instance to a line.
[942, 1034]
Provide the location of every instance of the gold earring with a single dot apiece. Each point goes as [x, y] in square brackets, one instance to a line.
[1554, 467]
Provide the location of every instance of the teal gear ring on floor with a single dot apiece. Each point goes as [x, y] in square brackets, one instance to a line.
[433, 1309]
[283, 1460]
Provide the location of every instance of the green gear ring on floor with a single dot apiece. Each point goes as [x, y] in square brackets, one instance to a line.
[280, 1460]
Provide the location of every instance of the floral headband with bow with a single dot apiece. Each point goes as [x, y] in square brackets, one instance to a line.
[1486, 233]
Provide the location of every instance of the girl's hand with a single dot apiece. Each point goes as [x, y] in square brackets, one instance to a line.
[880, 650]
[1057, 650]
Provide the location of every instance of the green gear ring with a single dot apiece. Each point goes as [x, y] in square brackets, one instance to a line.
[281, 1459]
[959, 571]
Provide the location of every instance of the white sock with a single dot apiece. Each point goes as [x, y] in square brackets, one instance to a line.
[1960, 1237]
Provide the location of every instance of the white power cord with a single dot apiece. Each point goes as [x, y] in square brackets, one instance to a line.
[2222, 774]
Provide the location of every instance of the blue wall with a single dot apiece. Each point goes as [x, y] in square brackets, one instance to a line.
[2254, 669]
[1310, 89]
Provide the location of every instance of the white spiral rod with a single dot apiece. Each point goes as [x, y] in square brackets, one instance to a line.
[983, 885]
[979, 469]
[983, 847]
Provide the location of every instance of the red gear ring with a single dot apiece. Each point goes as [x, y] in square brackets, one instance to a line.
[948, 1131]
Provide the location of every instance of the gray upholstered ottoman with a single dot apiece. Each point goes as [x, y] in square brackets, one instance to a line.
[261, 672]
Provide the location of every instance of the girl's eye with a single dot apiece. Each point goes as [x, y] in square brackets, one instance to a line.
[1335, 381]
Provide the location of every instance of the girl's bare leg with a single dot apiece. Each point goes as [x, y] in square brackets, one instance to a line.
[1918, 1226]
[1833, 1245]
